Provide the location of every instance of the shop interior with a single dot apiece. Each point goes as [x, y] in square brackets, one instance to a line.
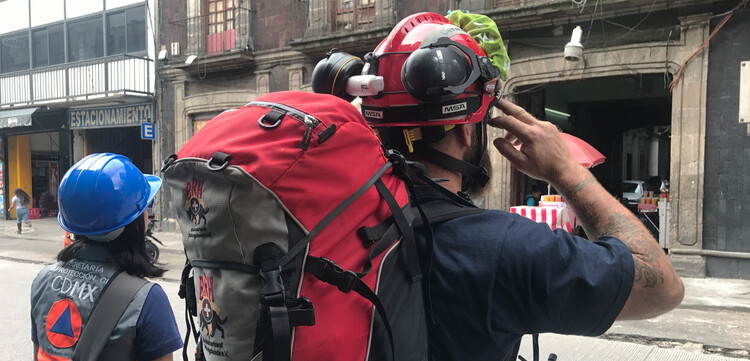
[625, 118]
[126, 141]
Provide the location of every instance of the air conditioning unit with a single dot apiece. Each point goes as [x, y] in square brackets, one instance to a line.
[176, 48]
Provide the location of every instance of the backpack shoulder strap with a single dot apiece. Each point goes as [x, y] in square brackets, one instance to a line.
[442, 210]
[110, 306]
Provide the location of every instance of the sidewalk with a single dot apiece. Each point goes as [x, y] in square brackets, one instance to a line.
[715, 313]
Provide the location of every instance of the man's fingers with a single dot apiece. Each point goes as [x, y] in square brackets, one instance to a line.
[509, 151]
[511, 138]
[515, 111]
[512, 125]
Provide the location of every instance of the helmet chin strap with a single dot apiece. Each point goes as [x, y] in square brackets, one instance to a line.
[454, 164]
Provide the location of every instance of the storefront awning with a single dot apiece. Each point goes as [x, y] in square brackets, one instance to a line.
[16, 117]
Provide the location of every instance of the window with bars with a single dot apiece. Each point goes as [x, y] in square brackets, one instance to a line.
[220, 16]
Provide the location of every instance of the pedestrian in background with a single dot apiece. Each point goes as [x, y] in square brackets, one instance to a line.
[103, 201]
[21, 199]
[532, 199]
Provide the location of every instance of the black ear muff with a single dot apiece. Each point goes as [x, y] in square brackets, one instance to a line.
[332, 72]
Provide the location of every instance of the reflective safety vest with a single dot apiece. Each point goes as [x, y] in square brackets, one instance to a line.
[62, 298]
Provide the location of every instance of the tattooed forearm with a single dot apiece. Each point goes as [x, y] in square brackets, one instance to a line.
[641, 244]
[581, 186]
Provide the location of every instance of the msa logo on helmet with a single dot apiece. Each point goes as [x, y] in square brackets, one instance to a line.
[453, 108]
[373, 114]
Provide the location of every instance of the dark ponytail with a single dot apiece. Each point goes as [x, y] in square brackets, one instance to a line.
[23, 197]
[128, 249]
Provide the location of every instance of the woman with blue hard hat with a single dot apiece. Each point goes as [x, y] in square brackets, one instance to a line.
[103, 200]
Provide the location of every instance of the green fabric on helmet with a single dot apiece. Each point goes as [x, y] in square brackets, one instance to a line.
[485, 32]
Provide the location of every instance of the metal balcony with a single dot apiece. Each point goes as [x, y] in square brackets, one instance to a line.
[355, 25]
[220, 38]
[119, 75]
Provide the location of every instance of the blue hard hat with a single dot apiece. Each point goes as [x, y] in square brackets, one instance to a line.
[102, 193]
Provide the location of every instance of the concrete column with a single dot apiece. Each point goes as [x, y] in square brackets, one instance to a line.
[262, 81]
[295, 76]
[653, 157]
[688, 151]
[79, 149]
[182, 127]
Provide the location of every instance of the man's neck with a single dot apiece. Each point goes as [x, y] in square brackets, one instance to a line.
[452, 179]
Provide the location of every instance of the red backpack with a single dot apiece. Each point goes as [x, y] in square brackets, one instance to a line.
[297, 227]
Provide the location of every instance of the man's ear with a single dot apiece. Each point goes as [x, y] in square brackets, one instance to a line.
[464, 134]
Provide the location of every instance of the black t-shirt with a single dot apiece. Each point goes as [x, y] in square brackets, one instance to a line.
[497, 276]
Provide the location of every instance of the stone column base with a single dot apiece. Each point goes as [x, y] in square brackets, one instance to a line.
[689, 265]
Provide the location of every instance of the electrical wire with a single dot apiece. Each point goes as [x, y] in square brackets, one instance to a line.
[534, 88]
[580, 3]
[713, 33]
[650, 10]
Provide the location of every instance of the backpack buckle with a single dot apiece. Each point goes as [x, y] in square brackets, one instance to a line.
[337, 276]
[272, 289]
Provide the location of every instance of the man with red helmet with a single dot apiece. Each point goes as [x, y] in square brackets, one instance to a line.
[496, 276]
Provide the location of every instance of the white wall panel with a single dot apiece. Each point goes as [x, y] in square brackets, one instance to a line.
[111, 4]
[46, 11]
[75, 8]
[745, 93]
[14, 15]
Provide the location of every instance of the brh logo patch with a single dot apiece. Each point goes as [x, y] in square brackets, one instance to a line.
[63, 324]
[195, 206]
[210, 319]
[196, 209]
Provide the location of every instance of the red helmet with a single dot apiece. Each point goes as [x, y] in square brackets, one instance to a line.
[434, 74]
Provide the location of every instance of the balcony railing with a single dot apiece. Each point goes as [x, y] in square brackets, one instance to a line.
[340, 16]
[211, 33]
[114, 75]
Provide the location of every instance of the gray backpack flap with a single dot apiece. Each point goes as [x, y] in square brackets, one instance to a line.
[298, 232]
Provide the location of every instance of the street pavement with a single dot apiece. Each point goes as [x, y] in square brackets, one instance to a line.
[712, 323]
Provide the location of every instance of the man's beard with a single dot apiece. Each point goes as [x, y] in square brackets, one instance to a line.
[476, 155]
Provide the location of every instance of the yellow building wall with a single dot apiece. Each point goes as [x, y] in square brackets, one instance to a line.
[19, 167]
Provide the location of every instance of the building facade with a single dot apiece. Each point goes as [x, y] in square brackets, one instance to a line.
[650, 91]
[76, 77]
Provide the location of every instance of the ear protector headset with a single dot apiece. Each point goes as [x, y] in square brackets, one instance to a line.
[456, 66]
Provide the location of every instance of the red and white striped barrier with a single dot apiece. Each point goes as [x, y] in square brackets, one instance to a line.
[553, 216]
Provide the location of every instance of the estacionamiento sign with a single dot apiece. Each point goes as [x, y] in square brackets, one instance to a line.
[117, 116]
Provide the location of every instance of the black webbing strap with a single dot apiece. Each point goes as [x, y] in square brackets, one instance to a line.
[424, 111]
[384, 241]
[370, 235]
[240, 267]
[109, 307]
[294, 251]
[422, 175]
[187, 292]
[410, 244]
[433, 155]
[273, 298]
[441, 210]
[346, 281]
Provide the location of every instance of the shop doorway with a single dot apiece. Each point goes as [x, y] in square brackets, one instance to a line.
[126, 141]
[626, 118]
